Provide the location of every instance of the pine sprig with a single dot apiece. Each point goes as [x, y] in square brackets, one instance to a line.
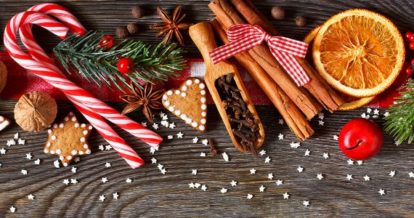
[95, 64]
[400, 122]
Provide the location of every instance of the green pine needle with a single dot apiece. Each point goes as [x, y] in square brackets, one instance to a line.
[400, 122]
[152, 62]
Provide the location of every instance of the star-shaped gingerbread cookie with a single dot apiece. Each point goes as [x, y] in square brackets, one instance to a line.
[68, 139]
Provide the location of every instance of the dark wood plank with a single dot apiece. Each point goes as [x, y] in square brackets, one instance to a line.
[153, 194]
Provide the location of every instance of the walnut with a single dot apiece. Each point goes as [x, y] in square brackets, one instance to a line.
[35, 111]
[3, 76]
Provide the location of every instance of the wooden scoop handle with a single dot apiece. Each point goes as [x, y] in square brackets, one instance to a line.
[203, 36]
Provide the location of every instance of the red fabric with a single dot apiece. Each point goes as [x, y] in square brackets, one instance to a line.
[20, 82]
[243, 37]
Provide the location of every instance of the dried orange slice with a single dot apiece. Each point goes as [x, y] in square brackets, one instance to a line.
[359, 52]
[351, 103]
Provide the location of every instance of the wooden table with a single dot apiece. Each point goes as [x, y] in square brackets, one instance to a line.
[152, 194]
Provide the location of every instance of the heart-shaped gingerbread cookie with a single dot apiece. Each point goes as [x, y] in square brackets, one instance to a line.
[188, 103]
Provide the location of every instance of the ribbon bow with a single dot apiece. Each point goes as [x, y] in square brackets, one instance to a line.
[245, 36]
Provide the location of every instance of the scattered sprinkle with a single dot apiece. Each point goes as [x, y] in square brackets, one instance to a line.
[286, 196]
[102, 198]
[325, 155]
[299, 169]
[360, 162]
[306, 203]
[252, 171]
[307, 152]
[191, 185]
[381, 192]
[12, 209]
[295, 144]
[392, 173]
[180, 135]
[24, 172]
[321, 115]
[249, 196]
[194, 172]
[350, 162]
[386, 114]
[223, 190]
[279, 182]
[108, 147]
[270, 176]
[37, 162]
[104, 180]
[107, 164]
[10, 142]
[262, 152]
[21, 141]
[155, 126]
[197, 185]
[74, 181]
[128, 180]
[411, 174]
[321, 123]
[195, 140]
[74, 169]
[202, 154]
[3, 151]
[268, 159]
[281, 121]
[115, 196]
[31, 197]
[262, 188]
[153, 160]
[204, 187]
[153, 150]
[319, 176]
[172, 125]
[204, 142]
[335, 137]
[101, 147]
[66, 181]
[233, 183]
[56, 163]
[225, 157]
[16, 136]
[366, 178]
[169, 137]
[281, 136]
[349, 177]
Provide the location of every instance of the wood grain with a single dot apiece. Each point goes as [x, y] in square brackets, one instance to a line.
[152, 194]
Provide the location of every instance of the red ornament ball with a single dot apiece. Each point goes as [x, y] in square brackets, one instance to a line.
[106, 42]
[360, 139]
[125, 65]
[409, 36]
[409, 71]
[411, 46]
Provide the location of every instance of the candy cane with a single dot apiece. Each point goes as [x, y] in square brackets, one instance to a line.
[83, 100]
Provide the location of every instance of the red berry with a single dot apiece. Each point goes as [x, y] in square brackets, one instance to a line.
[360, 139]
[409, 36]
[125, 65]
[412, 45]
[106, 42]
[412, 61]
[409, 71]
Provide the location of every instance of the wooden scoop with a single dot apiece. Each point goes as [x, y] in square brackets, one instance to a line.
[203, 37]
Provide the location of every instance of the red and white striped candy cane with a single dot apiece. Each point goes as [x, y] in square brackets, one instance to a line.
[47, 70]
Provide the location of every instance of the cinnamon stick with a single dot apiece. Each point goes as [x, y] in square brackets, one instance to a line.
[228, 16]
[287, 109]
[317, 86]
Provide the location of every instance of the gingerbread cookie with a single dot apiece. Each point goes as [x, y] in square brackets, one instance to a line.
[68, 139]
[4, 123]
[188, 103]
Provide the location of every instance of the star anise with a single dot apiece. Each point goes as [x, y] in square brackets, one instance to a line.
[148, 98]
[171, 26]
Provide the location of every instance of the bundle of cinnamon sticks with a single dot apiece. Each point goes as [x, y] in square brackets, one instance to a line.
[296, 104]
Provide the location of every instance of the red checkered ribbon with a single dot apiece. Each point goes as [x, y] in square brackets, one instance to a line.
[245, 36]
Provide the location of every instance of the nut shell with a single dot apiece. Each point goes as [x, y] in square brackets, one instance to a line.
[35, 111]
[3, 76]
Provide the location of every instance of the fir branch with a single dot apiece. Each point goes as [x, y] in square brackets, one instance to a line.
[152, 62]
[400, 122]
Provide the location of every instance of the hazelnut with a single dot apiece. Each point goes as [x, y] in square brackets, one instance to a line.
[278, 13]
[122, 32]
[132, 28]
[300, 21]
[137, 12]
[35, 111]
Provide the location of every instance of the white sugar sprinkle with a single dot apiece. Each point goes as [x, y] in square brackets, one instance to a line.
[225, 157]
